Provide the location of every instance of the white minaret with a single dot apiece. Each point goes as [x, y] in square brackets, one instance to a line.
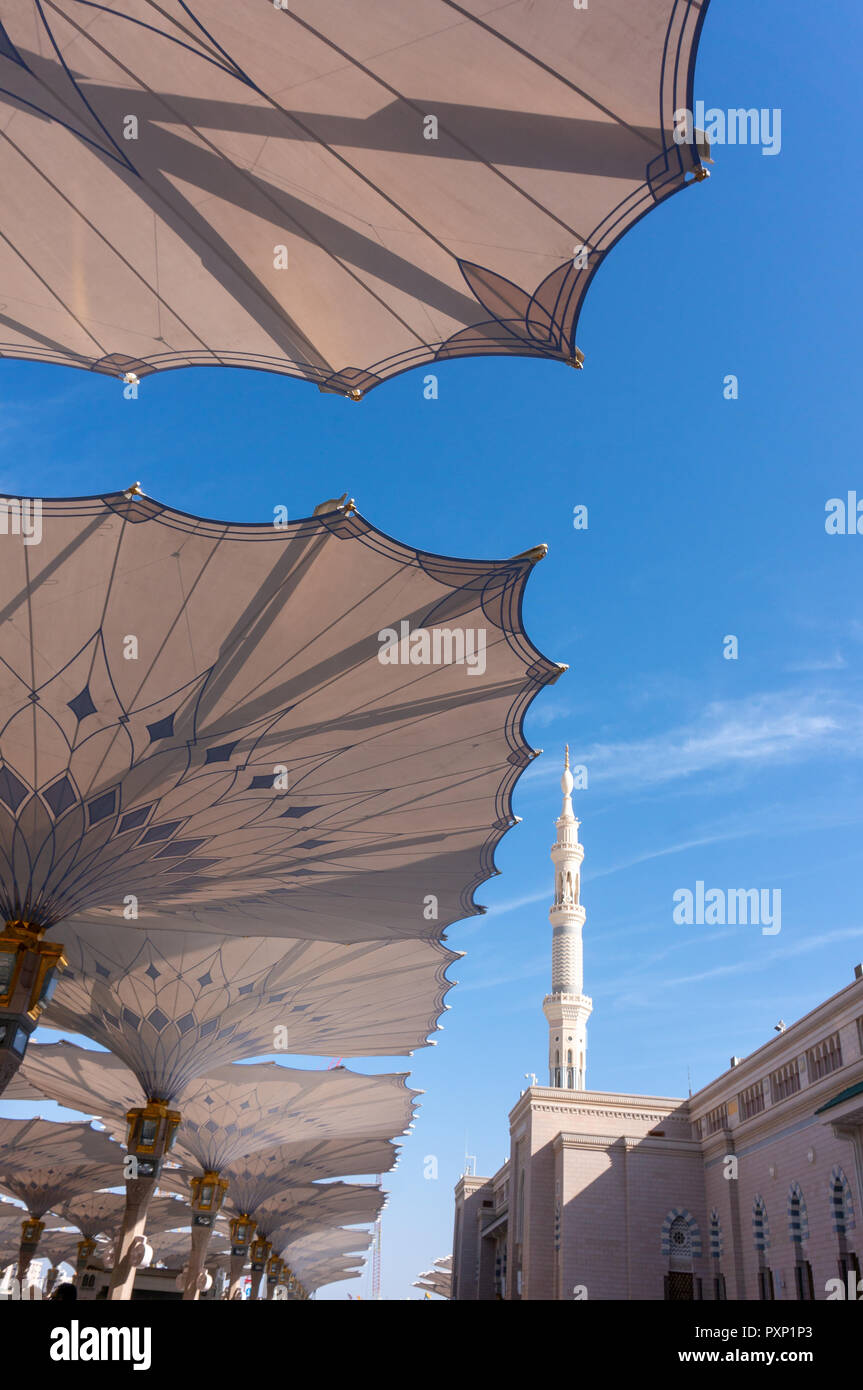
[567, 1008]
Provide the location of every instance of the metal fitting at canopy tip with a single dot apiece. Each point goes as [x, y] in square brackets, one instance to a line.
[536, 553]
[134, 491]
[336, 504]
[577, 359]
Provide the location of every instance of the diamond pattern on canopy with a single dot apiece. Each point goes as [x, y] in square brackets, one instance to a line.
[334, 192]
[171, 1006]
[294, 1210]
[195, 721]
[171, 1248]
[232, 1111]
[263, 1178]
[44, 1164]
[263, 1175]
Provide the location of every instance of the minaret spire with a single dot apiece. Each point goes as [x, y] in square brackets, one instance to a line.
[567, 1008]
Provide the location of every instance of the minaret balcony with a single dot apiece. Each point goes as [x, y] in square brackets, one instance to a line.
[564, 912]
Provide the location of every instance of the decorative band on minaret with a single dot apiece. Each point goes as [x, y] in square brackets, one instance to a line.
[567, 1008]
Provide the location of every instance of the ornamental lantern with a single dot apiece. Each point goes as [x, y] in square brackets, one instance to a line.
[31, 1231]
[28, 976]
[259, 1254]
[242, 1230]
[85, 1250]
[274, 1269]
[152, 1129]
[208, 1193]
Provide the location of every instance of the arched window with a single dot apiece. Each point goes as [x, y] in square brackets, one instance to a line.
[842, 1214]
[761, 1236]
[798, 1230]
[681, 1244]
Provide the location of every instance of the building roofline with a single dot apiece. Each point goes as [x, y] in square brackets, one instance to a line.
[777, 1043]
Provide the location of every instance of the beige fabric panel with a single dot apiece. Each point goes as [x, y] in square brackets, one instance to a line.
[305, 128]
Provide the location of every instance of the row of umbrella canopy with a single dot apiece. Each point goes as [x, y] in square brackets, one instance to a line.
[274, 1136]
[438, 1279]
[248, 836]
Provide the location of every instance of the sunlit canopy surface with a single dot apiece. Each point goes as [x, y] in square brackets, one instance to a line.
[232, 1111]
[264, 1174]
[334, 191]
[195, 721]
[173, 1004]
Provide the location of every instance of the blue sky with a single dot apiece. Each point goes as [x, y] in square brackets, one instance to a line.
[706, 518]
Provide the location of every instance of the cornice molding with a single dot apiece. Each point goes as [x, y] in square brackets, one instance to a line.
[838, 1011]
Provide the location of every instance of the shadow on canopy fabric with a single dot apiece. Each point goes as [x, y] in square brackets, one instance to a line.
[265, 1173]
[43, 1163]
[208, 722]
[331, 191]
[230, 1112]
[173, 1005]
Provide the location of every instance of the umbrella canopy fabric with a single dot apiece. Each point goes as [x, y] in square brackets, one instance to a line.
[171, 1248]
[294, 1209]
[172, 1005]
[438, 1279]
[44, 1164]
[263, 1178]
[55, 1248]
[334, 192]
[101, 1213]
[267, 1172]
[210, 723]
[232, 1111]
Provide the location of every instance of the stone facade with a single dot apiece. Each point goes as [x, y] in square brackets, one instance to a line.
[751, 1188]
[742, 1191]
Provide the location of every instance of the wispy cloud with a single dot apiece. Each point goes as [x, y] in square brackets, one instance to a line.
[769, 958]
[836, 662]
[729, 736]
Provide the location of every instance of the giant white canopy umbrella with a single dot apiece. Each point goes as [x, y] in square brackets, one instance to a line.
[309, 731]
[336, 192]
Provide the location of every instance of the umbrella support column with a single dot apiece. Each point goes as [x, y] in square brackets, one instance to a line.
[31, 1232]
[242, 1230]
[151, 1134]
[208, 1193]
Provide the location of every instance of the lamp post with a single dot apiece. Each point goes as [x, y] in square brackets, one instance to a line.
[152, 1130]
[31, 1231]
[86, 1249]
[260, 1253]
[208, 1194]
[242, 1230]
[28, 975]
[275, 1267]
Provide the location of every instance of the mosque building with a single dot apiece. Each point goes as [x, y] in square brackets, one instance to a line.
[750, 1189]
